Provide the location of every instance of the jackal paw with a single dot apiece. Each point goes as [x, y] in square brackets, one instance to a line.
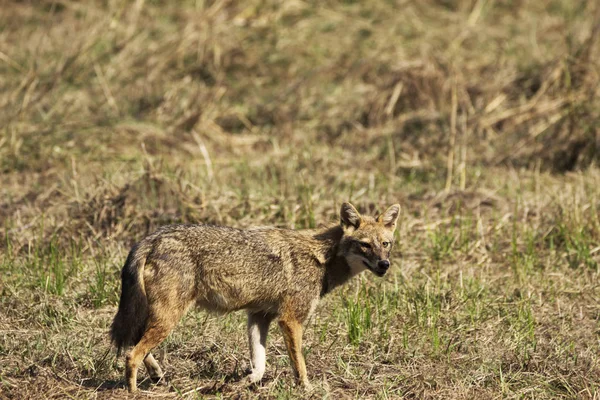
[253, 377]
[307, 386]
[159, 380]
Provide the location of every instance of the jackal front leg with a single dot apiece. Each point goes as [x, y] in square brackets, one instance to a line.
[292, 334]
[258, 328]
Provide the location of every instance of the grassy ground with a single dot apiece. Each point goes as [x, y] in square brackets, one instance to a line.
[480, 117]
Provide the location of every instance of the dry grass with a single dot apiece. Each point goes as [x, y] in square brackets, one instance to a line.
[480, 117]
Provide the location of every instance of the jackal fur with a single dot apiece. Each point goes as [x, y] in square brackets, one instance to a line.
[269, 272]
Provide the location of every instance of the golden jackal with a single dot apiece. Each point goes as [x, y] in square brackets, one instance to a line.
[270, 272]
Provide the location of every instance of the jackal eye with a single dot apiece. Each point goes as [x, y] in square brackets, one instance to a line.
[365, 245]
[385, 245]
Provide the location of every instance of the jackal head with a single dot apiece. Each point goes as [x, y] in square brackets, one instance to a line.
[367, 242]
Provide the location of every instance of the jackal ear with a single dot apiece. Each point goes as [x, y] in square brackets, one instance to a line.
[349, 217]
[389, 217]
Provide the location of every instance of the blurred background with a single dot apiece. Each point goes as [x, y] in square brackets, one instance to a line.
[481, 117]
[229, 106]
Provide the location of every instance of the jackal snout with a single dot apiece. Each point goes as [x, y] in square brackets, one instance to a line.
[379, 267]
[383, 265]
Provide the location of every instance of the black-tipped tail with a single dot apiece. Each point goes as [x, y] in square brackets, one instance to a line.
[129, 324]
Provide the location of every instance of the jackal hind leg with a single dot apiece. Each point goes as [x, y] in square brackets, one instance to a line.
[157, 330]
[292, 334]
[258, 328]
[153, 336]
[154, 370]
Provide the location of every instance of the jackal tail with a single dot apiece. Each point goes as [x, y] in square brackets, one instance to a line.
[129, 324]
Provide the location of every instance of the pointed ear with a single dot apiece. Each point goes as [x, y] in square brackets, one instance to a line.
[349, 217]
[389, 217]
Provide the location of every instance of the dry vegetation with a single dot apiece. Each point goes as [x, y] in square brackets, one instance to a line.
[482, 118]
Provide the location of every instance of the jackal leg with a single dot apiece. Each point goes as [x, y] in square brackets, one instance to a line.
[153, 336]
[154, 370]
[258, 328]
[292, 334]
[163, 319]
